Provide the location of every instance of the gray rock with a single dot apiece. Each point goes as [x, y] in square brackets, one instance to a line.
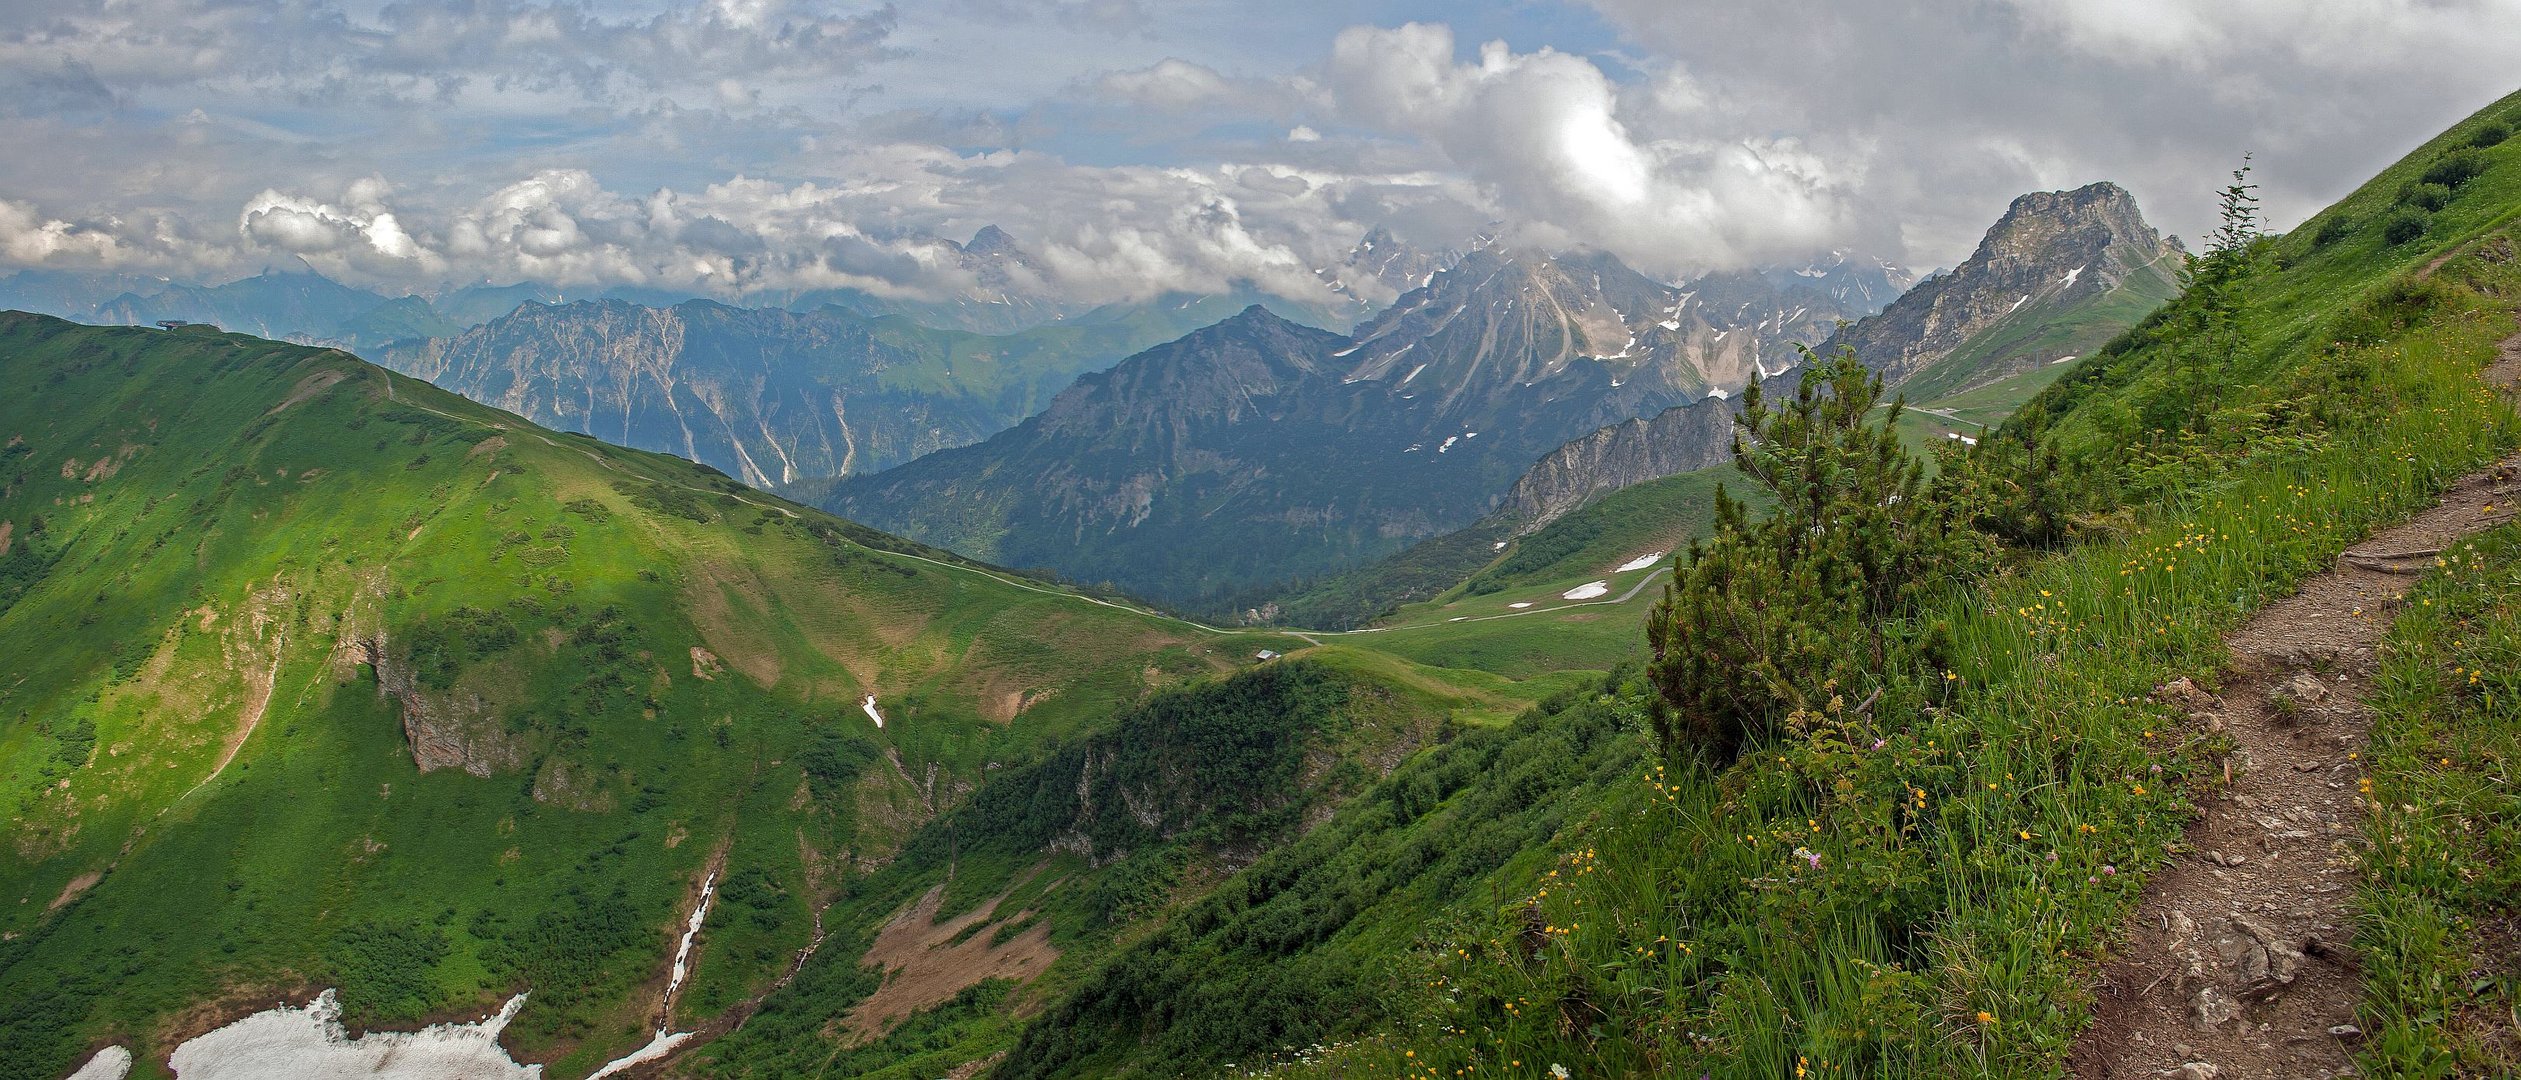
[2211, 1008]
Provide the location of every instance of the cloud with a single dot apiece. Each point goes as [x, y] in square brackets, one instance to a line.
[1096, 233]
[418, 51]
[1170, 84]
[1936, 113]
[1552, 141]
[742, 148]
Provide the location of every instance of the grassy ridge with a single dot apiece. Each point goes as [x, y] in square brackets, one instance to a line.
[237, 570]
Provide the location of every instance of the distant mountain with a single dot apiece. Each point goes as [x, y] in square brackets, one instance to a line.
[298, 306]
[2066, 270]
[474, 305]
[2058, 276]
[1330, 450]
[775, 397]
[1381, 268]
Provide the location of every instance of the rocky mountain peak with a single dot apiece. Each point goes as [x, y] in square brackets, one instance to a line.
[2051, 250]
[992, 240]
[1381, 267]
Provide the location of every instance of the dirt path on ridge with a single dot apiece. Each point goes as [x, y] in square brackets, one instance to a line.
[2240, 964]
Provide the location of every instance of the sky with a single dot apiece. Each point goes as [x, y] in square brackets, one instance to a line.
[746, 147]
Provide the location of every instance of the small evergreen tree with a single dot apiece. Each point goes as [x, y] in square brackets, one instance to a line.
[1805, 615]
[2215, 284]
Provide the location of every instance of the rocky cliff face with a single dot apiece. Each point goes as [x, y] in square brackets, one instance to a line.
[2052, 249]
[766, 395]
[1680, 439]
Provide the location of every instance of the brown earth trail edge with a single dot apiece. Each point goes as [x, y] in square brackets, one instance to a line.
[2240, 963]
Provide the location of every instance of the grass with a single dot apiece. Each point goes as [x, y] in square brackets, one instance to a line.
[2441, 901]
[204, 527]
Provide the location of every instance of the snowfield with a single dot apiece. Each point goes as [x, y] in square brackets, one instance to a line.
[1641, 562]
[308, 1043]
[869, 706]
[111, 1063]
[1587, 591]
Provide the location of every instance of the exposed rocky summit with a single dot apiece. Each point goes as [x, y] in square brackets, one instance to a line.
[2052, 249]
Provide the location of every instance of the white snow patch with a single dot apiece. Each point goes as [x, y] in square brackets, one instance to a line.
[308, 1043]
[1520, 604]
[1640, 562]
[1498, 546]
[683, 952]
[1586, 591]
[1414, 448]
[1954, 436]
[2071, 275]
[1718, 395]
[1721, 333]
[869, 706]
[1470, 434]
[2061, 360]
[1457, 618]
[2017, 305]
[1346, 351]
[1413, 373]
[1449, 440]
[657, 1047]
[111, 1063]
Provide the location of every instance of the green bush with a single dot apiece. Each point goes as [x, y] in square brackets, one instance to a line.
[2455, 168]
[2490, 135]
[2426, 197]
[2405, 226]
[2336, 228]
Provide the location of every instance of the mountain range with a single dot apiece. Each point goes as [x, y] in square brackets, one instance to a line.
[1331, 449]
[777, 397]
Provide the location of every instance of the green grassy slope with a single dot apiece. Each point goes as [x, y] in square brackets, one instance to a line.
[240, 578]
[2442, 894]
[2038, 335]
[1106, 839]
[1924, 894]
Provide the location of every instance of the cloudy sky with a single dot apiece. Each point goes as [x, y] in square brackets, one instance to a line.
[735, 146]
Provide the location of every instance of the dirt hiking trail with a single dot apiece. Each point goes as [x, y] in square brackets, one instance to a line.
[2240, 964]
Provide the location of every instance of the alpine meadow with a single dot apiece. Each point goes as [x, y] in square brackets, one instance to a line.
[1563, 540]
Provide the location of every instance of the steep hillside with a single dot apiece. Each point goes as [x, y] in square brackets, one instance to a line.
[1918, 866]
[1253, 452]
[770, 396]
[322, 677]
